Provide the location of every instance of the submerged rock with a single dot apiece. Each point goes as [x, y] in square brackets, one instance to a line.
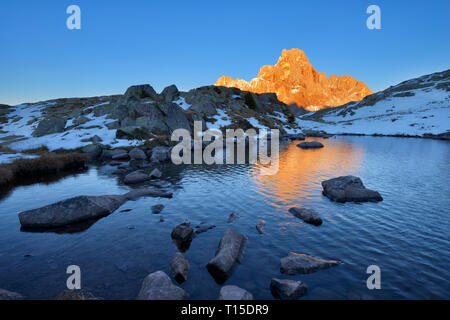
[260, 226]
[307, 215]
[287, 289]
[136, 177]
[229, 253]
[179, 267]
[310, 145]
[349, 188]
[158, 286]
[233, 216]
[9, 295]
[234, 293]
[157, 208]
[81, 208]
[296, 263]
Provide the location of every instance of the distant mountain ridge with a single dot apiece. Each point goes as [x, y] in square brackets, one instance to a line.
[418, 107]
[295, 81]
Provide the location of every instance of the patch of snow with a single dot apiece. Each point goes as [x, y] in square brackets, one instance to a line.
[10, 157]
[182, 103]
[222, 120]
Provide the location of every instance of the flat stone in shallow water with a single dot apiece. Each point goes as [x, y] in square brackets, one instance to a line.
[307, 215]
[136, 177]
[349, 189]
[81, 208]
[158, 286]
[234, 293]
[285, 289]
[296, 263]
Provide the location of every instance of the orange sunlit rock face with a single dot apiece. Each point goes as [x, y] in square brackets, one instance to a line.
[295, 80]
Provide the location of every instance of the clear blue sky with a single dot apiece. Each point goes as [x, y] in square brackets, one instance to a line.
[193, 43]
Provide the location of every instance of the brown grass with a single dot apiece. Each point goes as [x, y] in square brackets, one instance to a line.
[25, 169]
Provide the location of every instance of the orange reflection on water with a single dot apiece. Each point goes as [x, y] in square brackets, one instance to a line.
[301, 171]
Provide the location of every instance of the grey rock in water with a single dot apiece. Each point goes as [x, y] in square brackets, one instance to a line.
[136, 177]
[157, 208]
[296, 263]
[179, 267]
[137, 154]
[308, 215]
[287, 289]
[233, 216]
[349, 189]
[121, 156]
[81, 208]
[9, 295]
[49, 126]
[229, 253]
[183, 232]
[260, 226]
[310, 145]
[234, 293]
[158, 286]
[155, 173]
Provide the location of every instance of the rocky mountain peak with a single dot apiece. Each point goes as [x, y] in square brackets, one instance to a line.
[296, 81]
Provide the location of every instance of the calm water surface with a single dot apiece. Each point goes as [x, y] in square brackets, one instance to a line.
[407, 235]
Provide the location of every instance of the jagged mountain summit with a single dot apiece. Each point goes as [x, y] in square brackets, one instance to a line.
[418, 107]
[295, 81]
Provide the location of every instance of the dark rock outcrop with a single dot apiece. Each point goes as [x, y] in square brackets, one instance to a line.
[229, 253]
[349, 189]
[49, 126]
[183, 232]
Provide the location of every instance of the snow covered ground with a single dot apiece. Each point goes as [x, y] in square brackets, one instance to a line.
[421, 111]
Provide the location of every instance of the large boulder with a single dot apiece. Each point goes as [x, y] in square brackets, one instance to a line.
[349, 188]
[141, 91]
[308, 215]
[174, 117]
[109, 154]
[310, 145]
[229, 253]
[296, 263]
[170, 93]
[158, 286]
[81, 208]
[287, 289]
[234, 293]
[137, 154]
[71, 211]
[49, 126]
[9, 295]
[179, 267]
[132, 133]
[93, 150]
